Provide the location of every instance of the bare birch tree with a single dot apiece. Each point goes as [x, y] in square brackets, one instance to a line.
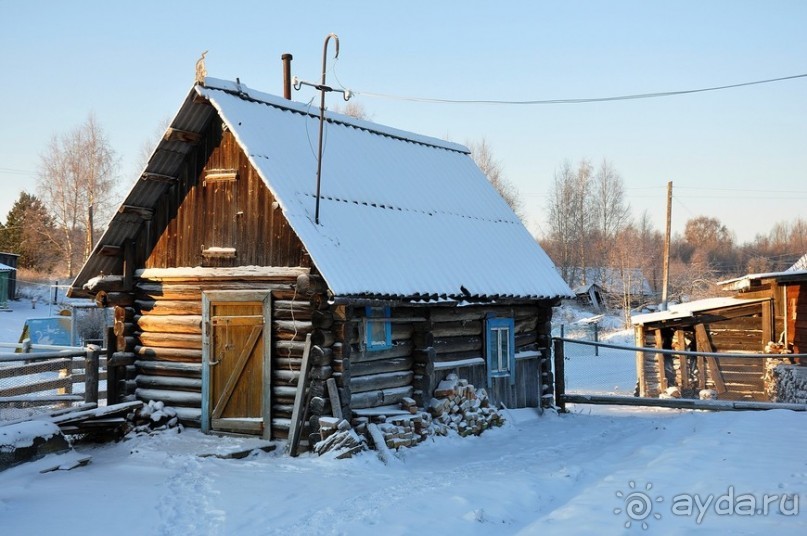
[562, 225]
[76, 182]
[492, 168]
[609, 211]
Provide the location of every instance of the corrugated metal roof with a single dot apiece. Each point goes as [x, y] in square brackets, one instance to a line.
[688, 309]
[745, 282]
[401, 215]
[799, 265]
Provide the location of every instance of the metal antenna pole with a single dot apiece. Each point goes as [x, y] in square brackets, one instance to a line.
[322, 90]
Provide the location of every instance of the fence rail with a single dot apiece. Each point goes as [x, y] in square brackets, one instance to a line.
[51, 375]
[605, 373]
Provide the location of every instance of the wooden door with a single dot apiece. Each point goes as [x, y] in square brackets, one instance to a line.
[237, 362]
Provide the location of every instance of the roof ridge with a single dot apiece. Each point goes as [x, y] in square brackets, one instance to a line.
[387, 206]
[240, 90]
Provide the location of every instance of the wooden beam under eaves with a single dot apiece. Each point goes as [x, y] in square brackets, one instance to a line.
[221, 175]
[110, 251]
[174, 134]
[159, 178]
[143, 212]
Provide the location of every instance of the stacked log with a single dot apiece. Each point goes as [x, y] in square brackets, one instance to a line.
[791, 383]
[293, 320]
[337, 436]
[458, 406]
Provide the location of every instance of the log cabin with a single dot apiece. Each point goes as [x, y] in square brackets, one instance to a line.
[767, 313]
[220, 272]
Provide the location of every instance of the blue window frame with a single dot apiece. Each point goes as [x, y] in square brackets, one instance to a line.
[377, 328]
[500, 348]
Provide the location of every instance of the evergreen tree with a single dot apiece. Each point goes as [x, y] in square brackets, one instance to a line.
[29, 232]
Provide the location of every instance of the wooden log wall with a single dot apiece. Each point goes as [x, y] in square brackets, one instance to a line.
[458, 343]
[368, 379]
[161, 335]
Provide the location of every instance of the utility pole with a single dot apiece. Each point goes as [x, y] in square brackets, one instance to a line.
[666, 269]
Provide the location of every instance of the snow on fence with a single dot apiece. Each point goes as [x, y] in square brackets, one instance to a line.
[50, 376]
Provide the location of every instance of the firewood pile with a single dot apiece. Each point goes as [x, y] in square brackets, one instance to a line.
[339, 437]
[790, 383]
[153, 417]
[457, 406]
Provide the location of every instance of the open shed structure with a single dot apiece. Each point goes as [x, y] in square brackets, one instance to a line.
[218, 270]
[766, 314]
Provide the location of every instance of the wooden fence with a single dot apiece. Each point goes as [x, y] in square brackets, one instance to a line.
[52, 375]
[709, 375]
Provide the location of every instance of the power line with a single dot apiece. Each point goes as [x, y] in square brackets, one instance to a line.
[12, 171]
[635, 96]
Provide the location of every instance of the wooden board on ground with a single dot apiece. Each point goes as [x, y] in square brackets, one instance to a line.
[67, 466]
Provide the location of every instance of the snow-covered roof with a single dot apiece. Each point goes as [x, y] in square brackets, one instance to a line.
[401, 215]
[799, 265]
[688, 309]
[6, 268]
[745, 282]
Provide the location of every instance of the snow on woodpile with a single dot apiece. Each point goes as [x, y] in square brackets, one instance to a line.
[400, 214]
[791, 383]
[457, 407]
[29, 440]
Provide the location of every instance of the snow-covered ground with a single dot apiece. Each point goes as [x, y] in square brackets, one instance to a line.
[595, 470]
[568, 474]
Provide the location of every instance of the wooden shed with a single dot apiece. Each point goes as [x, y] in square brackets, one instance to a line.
[10, 260]
[218, 270]
[767, 313]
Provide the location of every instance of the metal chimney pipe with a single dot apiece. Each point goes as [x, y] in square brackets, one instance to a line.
[286, 75]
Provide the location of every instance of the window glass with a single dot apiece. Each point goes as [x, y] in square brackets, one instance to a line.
[378, 332]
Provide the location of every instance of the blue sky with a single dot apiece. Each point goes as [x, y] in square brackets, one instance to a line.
[738, 155]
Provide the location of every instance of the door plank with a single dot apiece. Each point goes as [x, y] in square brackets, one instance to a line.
[240, 364]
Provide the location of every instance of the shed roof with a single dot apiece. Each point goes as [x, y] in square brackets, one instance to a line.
[401, 215]
[800, 264]
[792, 274]
[688, 309]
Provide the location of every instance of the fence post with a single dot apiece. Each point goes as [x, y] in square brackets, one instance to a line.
[112, 396]
[560, 374]
[596, 339]
[91, 374]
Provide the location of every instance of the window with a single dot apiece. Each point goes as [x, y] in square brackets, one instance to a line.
[500, 344]
[377, 328]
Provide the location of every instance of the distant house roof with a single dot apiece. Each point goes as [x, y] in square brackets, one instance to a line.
[688, 309]
[800, 264]
[401, 215]
[611, 280]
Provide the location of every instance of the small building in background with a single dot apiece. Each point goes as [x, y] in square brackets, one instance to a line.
[10, 261]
